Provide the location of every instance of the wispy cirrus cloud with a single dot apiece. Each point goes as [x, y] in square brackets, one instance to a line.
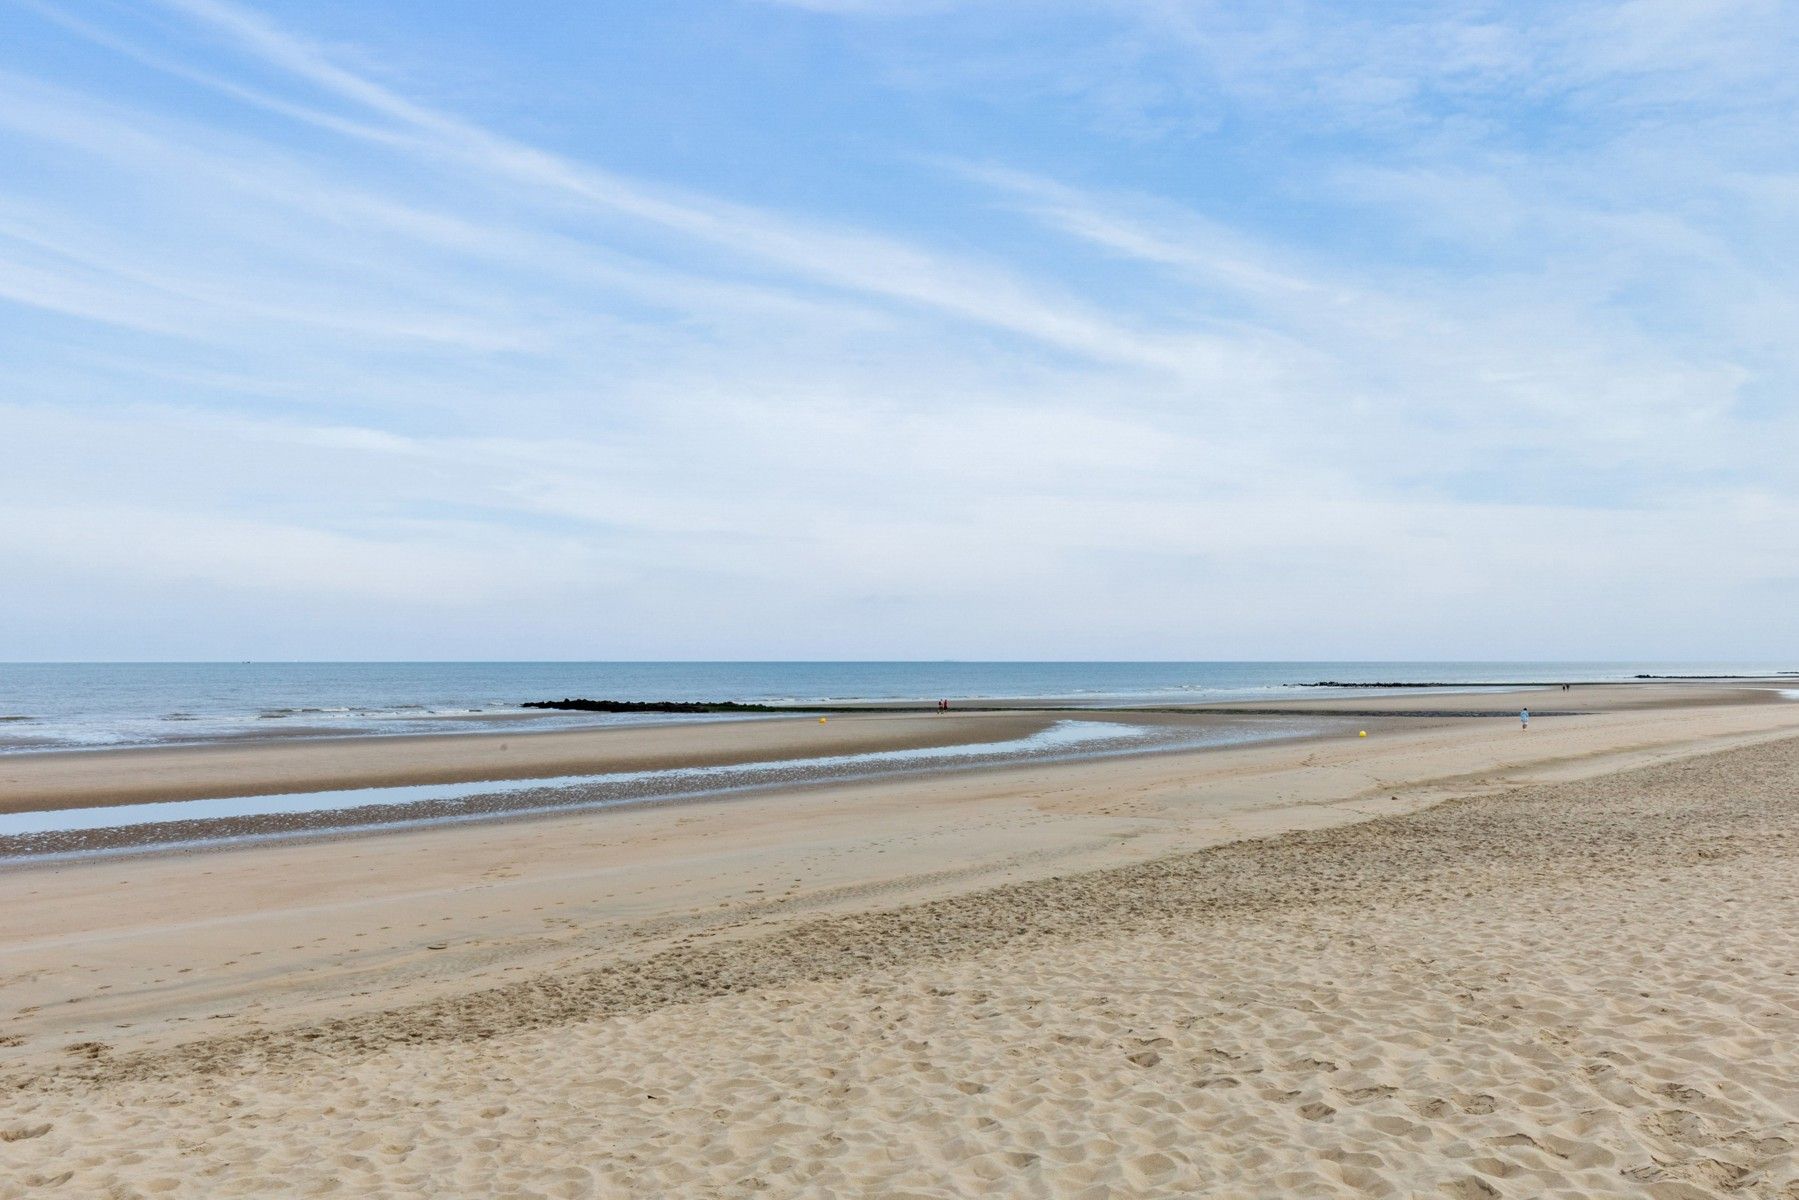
[1299, 333]
[861, 262]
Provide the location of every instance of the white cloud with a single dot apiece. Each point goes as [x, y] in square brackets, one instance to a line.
[869, 264]
[1501, 398]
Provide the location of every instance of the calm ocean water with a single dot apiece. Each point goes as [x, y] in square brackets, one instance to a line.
[47, 706]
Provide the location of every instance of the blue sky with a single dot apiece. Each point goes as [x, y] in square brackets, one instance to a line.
[882, 329]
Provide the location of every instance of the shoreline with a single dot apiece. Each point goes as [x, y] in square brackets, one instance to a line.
[22, 733]
[262, 766]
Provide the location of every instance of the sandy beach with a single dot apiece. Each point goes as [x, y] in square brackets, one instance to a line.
[1451, 958]
[898, 600]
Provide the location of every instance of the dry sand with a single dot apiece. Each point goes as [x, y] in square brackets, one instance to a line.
[1468, 962]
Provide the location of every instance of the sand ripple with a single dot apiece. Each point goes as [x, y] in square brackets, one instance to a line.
[1581, 990]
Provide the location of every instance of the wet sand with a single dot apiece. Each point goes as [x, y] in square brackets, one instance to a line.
[91, 778]
[74, 833]
[1451, 959]
[71, 779]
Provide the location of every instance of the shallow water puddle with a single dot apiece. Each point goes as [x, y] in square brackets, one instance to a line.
[182, 823]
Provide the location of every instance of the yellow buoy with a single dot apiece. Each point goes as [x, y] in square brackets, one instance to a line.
[1364, 733]
[821, 720]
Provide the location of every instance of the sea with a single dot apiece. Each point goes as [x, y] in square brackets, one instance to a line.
[64, 706]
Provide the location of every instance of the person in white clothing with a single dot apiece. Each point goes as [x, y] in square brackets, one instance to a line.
[1524, 718]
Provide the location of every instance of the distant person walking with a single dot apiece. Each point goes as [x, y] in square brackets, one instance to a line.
[1524, 718]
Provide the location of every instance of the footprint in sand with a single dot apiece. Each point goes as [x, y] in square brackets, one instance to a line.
[1681, 1093]
[1681, 1126]
[24, 1132]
